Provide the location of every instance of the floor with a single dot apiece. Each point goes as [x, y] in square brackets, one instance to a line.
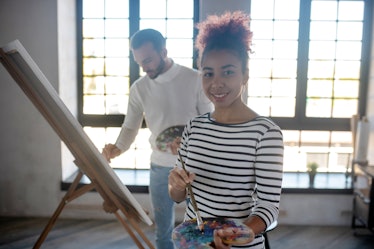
[22, 233]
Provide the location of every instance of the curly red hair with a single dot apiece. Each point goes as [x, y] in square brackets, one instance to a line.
[229, 31]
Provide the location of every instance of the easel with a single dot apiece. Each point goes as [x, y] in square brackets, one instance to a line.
[117, 198]
[111, 204]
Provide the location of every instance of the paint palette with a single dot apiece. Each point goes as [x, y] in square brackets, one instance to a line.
[167, 136]
[188, 236]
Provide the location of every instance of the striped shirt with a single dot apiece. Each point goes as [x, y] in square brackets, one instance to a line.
[238, 167]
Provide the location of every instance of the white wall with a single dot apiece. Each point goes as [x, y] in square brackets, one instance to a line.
[30, 151]
[30, 158]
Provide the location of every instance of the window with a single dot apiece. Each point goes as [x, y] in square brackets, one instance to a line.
[306, 73]
[108, 69]
[308, 70]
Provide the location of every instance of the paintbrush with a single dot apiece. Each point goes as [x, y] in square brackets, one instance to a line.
[200, 223]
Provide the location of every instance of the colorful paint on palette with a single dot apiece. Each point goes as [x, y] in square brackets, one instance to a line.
[188, 236]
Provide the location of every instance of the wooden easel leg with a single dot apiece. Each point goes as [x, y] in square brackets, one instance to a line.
[58, 211]
[128, 229]
[112, 205]
[141, 234]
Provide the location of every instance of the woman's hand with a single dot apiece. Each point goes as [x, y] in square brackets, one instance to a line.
[217, 238]
[178, 180]
[224, 238]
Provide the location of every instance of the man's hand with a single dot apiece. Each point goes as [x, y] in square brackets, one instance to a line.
[174, 146]
[110, 151]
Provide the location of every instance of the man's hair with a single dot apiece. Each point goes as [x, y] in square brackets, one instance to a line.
[148, 35]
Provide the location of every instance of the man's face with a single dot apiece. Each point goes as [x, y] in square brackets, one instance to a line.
[151, 61]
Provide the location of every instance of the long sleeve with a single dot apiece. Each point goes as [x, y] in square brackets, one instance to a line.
[126, 138]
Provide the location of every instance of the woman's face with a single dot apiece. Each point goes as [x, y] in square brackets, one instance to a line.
[223, 78]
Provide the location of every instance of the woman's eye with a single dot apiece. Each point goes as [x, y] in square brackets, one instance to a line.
[228, 72]
[207, 74]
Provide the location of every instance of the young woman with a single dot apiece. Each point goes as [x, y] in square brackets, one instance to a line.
[233, 156]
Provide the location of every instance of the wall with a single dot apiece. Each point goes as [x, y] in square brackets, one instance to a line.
[370, 100]
[30, 151]
[30, 168]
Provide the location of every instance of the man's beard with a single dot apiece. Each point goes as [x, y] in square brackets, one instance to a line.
[158, 70]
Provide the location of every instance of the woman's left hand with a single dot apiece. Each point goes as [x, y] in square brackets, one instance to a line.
[218, 243]
[224, 238]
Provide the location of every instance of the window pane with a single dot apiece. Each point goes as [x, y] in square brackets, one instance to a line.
[180, 47]
[344, 108]
[286, 30]
[117, 28]
[260, 68]
[262, 29]
[323, 50]
[259, 87]
[285, 49]
[286, 9]
[117, 66]
[324, 10]
[285, 88]
[93, 47]
[152, 8]
[342, 139]
[347, 70]
[350, 31]
[284, 69]
[93, 8]
[318, 107]
[180, 29]
[315, 138]
[115, 104]
[93, 85]
[93, 66]
[262, 9]
[319, 88]
[97, 136]
[93, 104]
[116, 9]
[93, 28]
[282, 107]
[180, 9]
[348, 50]
[323, 30]
[117, 48]
[321, 69]
[345, 10]
[117, 85]
[346, 88]
[261, 50]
